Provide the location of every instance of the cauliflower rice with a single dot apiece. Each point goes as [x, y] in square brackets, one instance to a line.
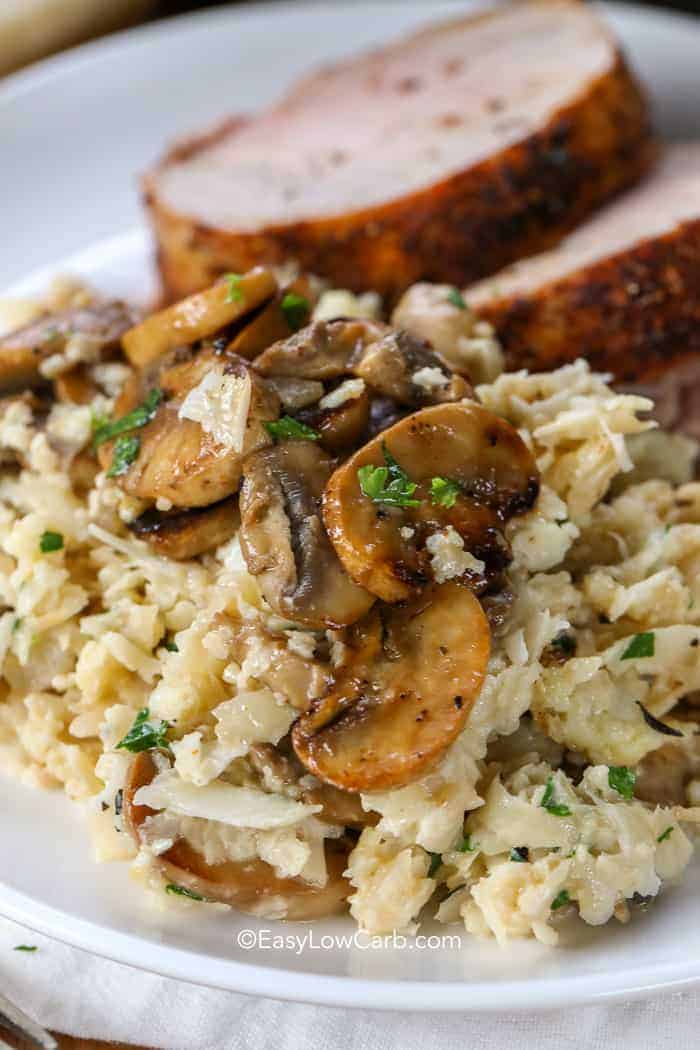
[530, 814]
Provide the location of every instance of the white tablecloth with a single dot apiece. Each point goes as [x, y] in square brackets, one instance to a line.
[77, 993]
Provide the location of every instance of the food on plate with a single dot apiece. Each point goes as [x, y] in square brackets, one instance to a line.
[622, 290]
[441, 157]
[348, 618]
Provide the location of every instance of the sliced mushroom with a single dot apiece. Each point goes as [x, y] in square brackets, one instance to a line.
[342, 427]
[250, 885]
[183, 534]
[199, 316]
[23, 351]
[178, 460]
[410, 679]
[274, 321]
[383, 547]
[284, 541]
[393, 364]
[296, 679]
[295, 394]
[75, 387]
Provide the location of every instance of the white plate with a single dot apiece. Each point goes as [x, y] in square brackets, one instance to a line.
[75, 132]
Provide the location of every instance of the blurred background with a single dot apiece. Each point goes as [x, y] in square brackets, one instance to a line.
[32, 29]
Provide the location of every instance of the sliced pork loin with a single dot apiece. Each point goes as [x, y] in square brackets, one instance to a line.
[443, 157]
[623, 290]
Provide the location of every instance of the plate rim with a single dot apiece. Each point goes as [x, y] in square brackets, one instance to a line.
[196, 967]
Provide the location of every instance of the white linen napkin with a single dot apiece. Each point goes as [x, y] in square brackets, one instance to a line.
[74, 992]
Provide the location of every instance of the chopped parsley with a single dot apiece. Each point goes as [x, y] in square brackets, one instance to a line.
[444, 492]
[520, 854]
[466, 845]
[182, 891]
[50, 541]
[621, 779]
[565, 643]
[235, 292]
[171, 646]
[296, 310]
[126, 449]
[557, 809]
[435, 862]
[641, 645]
[562, 898]
[454, 296]
[17, 623]
[389, 484]
[665, 834]
[287, 427]
[138, 417]
[145, 735]
[25, 948]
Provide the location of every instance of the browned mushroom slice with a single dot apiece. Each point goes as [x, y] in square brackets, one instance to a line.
[284, 541]
[295, 394]
[199, 316]
[287, 312]
[23, 351]
[75, 387]
[340, 427]
[176, 458]
[405, 369]
[486, 466]
[250, 885]
[184, 534]
[322, 350]
[411, 678]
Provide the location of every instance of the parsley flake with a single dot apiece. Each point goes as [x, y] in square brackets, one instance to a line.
[520, 854]
[444, 492]
[288, 428]
[565, 643]
[171, 646]
[182, 891]
[25, 948]
[296, 310]
[466, 845]
[557, 809]
[454, 296]
[235, 292]
[50, 541]
[145, 735]
[562, 898]
[665, 834]
[389, 484]
[138, 417]
[126, 449]
[621, 779]
[642, 645]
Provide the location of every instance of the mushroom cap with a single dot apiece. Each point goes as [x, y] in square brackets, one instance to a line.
[178, 460]
[322, 350]
[250, 885]
[461, 442]
[182, 534]
[284, 542]
[404, 693]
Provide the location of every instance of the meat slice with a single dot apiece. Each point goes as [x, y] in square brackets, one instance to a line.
[623, 290]
[442, 157]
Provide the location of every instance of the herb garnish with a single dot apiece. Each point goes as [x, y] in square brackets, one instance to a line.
[25, 948]
[621, 779]
[557, 809]
[296, 310]
[182, 891]
[389, 484]
[287, 427]
[466, 845]
[145, 735]
[562, 898]
[520, 854]
[640, 646]
[138, 417]
[171, 646]
[565, 643]
[435, 862]
[454, 296]
[665, 834]
[126, 449]
[235, 292]
[50, 541]
[654, 723]
[444, 492]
